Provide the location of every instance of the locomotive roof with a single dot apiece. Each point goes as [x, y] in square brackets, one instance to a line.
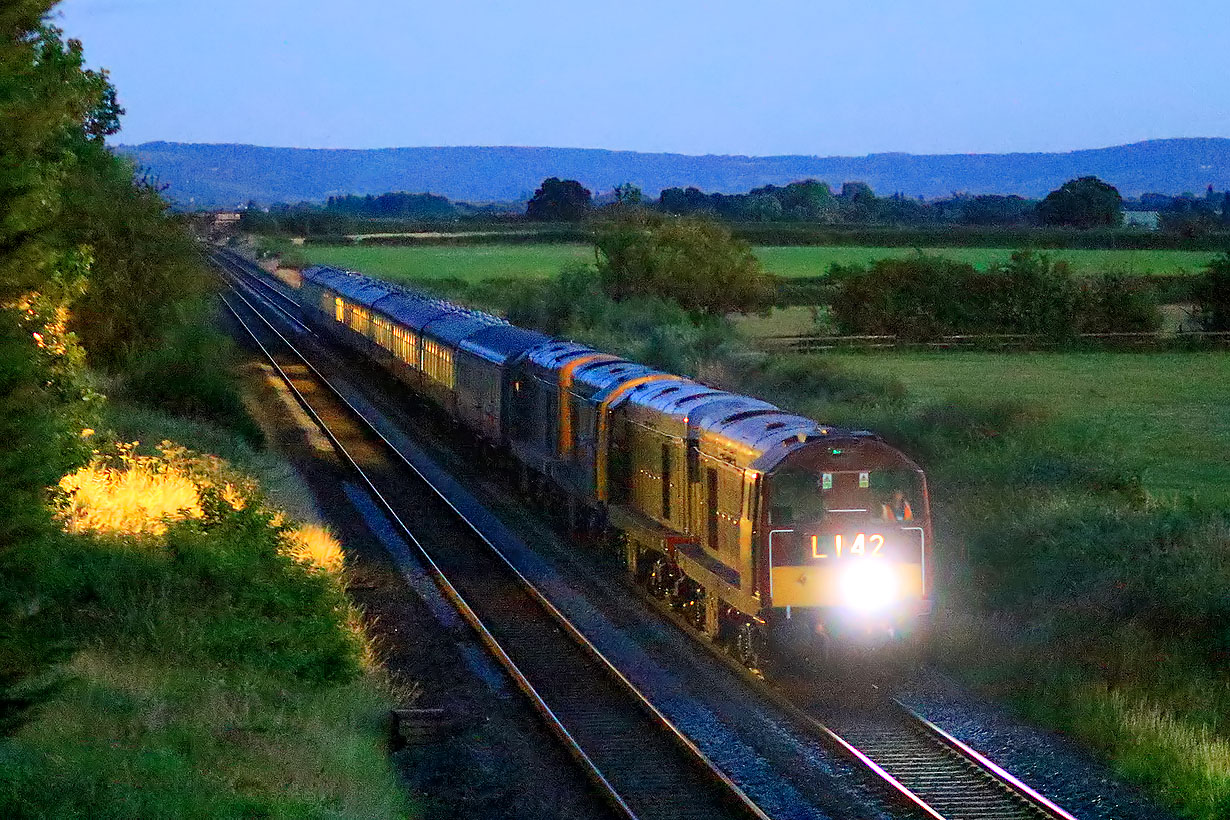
[714, 412]
[672, 397]
[608, 374]
[558, 352]
[501, 343]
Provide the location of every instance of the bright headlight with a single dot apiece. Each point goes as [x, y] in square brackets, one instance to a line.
[869, 585]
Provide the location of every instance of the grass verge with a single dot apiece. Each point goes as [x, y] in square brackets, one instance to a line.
[211, 665]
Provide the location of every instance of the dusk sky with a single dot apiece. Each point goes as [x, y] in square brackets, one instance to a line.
[769, 77]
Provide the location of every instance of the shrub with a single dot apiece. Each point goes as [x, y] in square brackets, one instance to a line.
[191, 374]
[692, 261]
[1212, 295]
[926, 297]
[1113, 303]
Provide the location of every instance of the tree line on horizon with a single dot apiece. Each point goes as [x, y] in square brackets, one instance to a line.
[1084, 203]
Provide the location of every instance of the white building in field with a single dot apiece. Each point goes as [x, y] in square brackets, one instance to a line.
[1141, 219]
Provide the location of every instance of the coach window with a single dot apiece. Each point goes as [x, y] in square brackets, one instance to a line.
[339, 308]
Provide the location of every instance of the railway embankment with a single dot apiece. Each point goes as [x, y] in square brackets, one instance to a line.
[198, 655]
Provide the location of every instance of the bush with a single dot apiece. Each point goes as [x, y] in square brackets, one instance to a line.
[926, 297]
[692, 261]
[216, 665]
[191, 374]
[1113, 303]
[1212, 295]
[812, 380]
[918, 298]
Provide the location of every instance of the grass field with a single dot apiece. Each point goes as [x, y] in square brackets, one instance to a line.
[477, 262]
[1166, 410]
[470, 263]
[812, 261]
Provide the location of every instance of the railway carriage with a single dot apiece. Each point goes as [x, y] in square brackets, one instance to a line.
[766, 526]
[487, 378]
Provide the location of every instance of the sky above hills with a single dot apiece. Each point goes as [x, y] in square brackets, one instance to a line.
[695, 77]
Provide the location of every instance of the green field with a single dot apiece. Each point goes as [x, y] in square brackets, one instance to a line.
[470, 263]
[1167, 410]
[473, 263]
[812, 261]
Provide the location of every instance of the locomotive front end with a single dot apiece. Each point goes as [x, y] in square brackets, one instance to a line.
[846, 540]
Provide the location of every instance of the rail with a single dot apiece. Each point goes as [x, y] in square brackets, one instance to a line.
[629, 748]
[917, 761]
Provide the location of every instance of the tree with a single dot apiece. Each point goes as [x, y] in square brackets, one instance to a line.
[683, 200]
[693, 261]
[1212, 295]
[857, 202]
[1087, 202]
[990, 209]
[628, 194]
[48, 104]
[809, 200]
[560, 201]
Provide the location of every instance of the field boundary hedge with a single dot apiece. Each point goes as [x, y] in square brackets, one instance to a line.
[778, 234]
[805, 291]
[1139, 340]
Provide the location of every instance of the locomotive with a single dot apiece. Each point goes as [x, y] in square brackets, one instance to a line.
[768, 529]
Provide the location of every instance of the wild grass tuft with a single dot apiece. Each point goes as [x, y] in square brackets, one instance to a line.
[315, 546]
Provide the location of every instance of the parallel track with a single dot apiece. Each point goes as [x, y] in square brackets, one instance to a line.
[644, 764]
[945, 778]
[920, 764]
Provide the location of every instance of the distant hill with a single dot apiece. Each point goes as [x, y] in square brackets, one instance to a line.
[227, 175]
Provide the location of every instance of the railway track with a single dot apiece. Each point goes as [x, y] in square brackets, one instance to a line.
[926, 768]
[630, 751]
[945, 778]
[929, 772]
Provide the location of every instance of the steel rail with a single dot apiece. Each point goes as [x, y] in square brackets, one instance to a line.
[1009, 780]
[735, 794]
[1035, 805]
[237, 266]
[982, 768]
[946, 778]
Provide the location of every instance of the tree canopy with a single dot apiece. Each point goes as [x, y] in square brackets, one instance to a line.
[1087, 202]
[560, 201]
[693, 261]
[1213, 295]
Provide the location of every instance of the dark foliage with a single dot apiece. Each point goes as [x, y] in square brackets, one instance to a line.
[693, 262]
[559, 201]
[1087, 202]
[1212, 295]
[397, 205]
[926, 297]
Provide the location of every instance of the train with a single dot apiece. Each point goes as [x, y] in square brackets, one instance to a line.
[769, 531]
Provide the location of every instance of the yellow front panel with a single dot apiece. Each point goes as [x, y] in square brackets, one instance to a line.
[820, 585]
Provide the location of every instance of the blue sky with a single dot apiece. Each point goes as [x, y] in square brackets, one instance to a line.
[757, 77]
